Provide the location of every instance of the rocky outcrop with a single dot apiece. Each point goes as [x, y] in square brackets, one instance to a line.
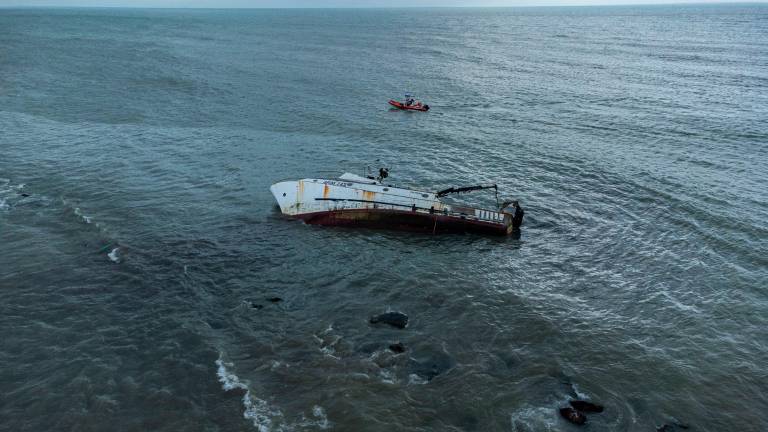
[394, 319]
[587, 407]
[428, 365]
[573, 416]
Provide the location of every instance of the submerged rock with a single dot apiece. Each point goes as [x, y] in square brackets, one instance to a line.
[216, 324]
[436, 299]
[585, 406]
[671, 427]
[428, 366]
[565, 383]
[274, 299]
[573, 416]
[395, 319]
[24, 194]
[369, 347]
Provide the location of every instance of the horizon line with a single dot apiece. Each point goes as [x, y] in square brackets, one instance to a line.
[653, 3]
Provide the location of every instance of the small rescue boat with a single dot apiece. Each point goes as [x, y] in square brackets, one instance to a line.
[356, 201]
[410, 104]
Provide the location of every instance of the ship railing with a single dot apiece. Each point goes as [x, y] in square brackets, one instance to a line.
[469, 213]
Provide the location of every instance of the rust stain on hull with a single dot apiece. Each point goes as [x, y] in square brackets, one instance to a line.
[326, 191]
[403, 221]
[299, 194]
[369, 195]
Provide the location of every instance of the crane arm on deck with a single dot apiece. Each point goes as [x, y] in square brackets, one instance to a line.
[451, 190]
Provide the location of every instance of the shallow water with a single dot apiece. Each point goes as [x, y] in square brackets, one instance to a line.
[146, 140]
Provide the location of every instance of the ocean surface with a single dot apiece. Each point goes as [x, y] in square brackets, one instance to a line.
[140, 245]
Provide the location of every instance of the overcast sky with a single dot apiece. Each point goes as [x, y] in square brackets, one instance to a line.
[330, 3]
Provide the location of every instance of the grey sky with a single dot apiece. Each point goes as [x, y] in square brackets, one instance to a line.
[331, 3]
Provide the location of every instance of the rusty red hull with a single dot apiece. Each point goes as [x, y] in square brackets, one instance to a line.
[404, 221]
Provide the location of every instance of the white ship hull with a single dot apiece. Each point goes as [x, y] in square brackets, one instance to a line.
[357, 201]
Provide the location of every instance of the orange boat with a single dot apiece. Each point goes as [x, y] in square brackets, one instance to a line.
[409, 105]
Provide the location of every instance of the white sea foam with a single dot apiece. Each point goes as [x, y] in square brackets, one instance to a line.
[387, 377]
[329, 350]
[679, 305]
[328, 347]
[256, 410]
[578, 392]
[113, 255]
[6, 189]
[322, 420]
[534, 419]
[86, 219]
[265, 417]
[415, 379]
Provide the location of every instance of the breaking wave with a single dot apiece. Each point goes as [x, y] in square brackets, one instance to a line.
[266, 418]
[256, 410]
[114, 256]
[328, 342]
[530, 419]
[321, 418]
[86, 219]
[7, 192]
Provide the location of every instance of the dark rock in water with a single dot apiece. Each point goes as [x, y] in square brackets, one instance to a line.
[23, 194]
[469, 422]
[573, 416]
[274, 299]
[428, 372]
[395, 319]
[671, 427]
[564, 382]
[585, 406]
[509, 358]
[216, 324]
[256, 306]
[371, 347]
[430, 365]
